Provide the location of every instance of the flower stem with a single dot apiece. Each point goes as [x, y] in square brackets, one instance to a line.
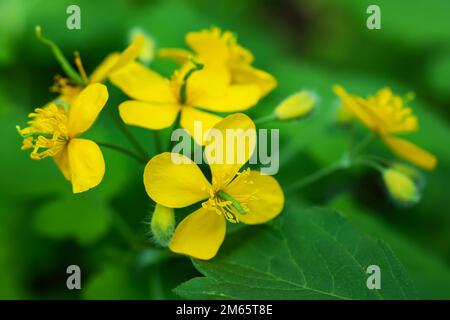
[363, 144]
[65, 65]
[316, 176]
[365, 161]
[344, 163]
[129, 135]
[265, 119]
[122, 150]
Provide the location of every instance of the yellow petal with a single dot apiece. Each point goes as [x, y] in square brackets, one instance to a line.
[211, 82]
[87, 166]
[141, 83]
[147, 53]
[357, 106]
[246, 74]
[180, 56]
[102, 71]
[62, 161]
[86, 108]
[410, 152]
[209, 45]
[237, 97]
[199, 235]
[148, 115]
[174, 181]
[130, 54]
[204, 120]
[261, 196]
[228, 154]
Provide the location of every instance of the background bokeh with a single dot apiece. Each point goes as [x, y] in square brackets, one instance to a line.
[305, 44]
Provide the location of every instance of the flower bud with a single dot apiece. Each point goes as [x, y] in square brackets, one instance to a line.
[162, 224]
[148, 49]
[297, 105]
[401, 187]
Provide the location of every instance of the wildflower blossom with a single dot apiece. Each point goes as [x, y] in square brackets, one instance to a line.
[214, 47]
[53, 132]
[387, 116]
[235, 196]
[192, 91]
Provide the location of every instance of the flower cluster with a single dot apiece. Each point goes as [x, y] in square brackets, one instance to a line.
[213, 84]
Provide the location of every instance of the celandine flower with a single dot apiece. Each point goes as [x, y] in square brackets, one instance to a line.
[53, 132]
[193, 91]
[386, 115]
[216, 47]
[247, 196]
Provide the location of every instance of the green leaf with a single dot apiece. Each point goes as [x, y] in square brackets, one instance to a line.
[429, 272]
[74, 216]
[306, 254]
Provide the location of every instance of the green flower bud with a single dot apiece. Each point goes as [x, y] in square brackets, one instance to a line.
[401, 187]
[162, 224]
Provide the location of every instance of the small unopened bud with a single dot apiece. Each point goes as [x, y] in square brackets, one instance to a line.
[148, 49]
[162, 224]
[297, 105]
[401, 187]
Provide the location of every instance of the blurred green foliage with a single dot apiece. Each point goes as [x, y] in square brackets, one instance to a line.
[305, 44]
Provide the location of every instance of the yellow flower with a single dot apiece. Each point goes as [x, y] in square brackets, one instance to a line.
[191, 91]
[216, 47]
[246, 196]
[296, 106]
[386, 115]
[400, 186]
[53, 132]
[110, 64]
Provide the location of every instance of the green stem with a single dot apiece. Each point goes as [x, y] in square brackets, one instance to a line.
[265, 119]
[122, 150]
[197, 67]
[362, 144]
[65, 65]
[315, 176]
[369, 163]
[129, 135]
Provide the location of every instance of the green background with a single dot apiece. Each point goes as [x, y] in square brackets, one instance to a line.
[305, 44]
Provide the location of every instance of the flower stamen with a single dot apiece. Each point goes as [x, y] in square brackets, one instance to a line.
[47, 132]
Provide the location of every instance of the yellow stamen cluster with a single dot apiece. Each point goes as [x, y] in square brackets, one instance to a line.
[47, 133]
[219, 203]
[221, 207]
[391, 113]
